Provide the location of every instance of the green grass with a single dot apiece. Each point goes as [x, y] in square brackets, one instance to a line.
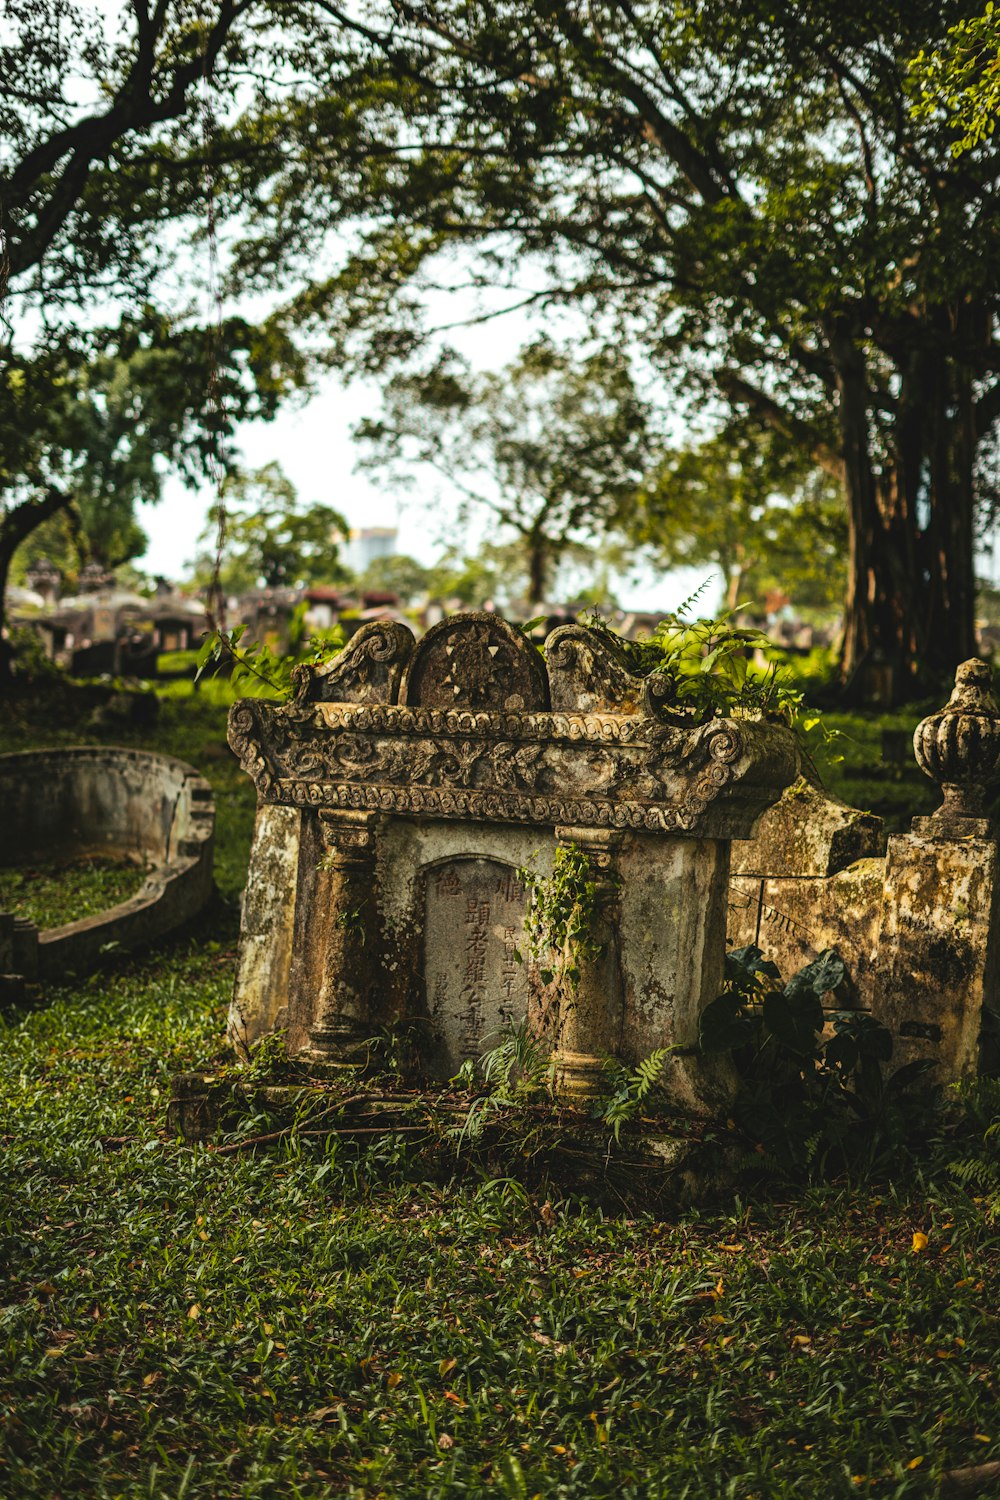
[854, 766]
[51, 894]
[176, 1321]
[313, 1320]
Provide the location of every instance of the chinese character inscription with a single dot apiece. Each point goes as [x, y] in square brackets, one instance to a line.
[475, 983]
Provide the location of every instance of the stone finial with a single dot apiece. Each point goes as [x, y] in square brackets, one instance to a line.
[959, 748]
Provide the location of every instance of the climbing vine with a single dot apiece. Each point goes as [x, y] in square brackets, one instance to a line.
[559, 919]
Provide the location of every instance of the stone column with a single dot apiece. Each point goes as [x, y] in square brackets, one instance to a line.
[347, 927]
[263, 959]
[590, 1019]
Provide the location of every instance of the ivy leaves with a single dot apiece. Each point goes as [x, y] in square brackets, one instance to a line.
[559, 918]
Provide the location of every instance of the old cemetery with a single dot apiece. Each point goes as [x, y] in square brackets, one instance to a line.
[563, 1093]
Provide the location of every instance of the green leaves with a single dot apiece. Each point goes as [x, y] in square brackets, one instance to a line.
[633, 1087]
[704, 669]
[960, 79]
[814, 1092]
[256, 670]
[552, 447]
[559, 919]
[270, 538]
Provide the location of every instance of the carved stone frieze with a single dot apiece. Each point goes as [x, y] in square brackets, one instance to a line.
[589, 770]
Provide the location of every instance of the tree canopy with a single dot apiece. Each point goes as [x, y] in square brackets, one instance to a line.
[752, 506]
[552, 447]
[270, 539]
[107, 168]
[744, 189]
[962, 77]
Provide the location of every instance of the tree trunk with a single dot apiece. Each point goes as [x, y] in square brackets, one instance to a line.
[910, 612]
[15, 526]
[538, 567]
[733, 577]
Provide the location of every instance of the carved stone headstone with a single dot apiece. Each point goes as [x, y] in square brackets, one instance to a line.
[475, 661]
[474, 915]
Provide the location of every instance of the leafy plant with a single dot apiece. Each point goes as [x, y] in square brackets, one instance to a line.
[814, 1095]
[979, 1168]
[255, 668]
[518, 1064]
[268, 1059]
[632, 1087]
[706, 667]
[518, 1067]
[559, 919]
[706, 671]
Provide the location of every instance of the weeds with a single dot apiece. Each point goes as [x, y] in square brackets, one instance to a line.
[815, 1097]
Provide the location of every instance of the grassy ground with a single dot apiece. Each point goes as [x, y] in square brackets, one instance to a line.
[175, 1322]
[50, 894]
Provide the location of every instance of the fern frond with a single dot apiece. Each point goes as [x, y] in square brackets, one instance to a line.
[647, 1074]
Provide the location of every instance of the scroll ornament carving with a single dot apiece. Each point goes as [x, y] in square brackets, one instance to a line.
[589, 770]
[588, 672]
[368, 670]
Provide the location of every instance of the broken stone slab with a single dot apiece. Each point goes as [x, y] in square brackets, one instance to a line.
[917, 925]
[793, 920]
[808, 833]
[938, 956]
[119, 803]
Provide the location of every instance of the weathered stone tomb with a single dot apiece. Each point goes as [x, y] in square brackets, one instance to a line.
[916, 918]
[405, 786]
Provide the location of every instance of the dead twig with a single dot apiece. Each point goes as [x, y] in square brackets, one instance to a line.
[345, 1129]
[287, 1130]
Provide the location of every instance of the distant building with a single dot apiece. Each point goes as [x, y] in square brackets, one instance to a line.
[366, 543]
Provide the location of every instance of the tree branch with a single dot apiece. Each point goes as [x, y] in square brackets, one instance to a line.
[803, 434]
[21, 521]
[133, 109]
